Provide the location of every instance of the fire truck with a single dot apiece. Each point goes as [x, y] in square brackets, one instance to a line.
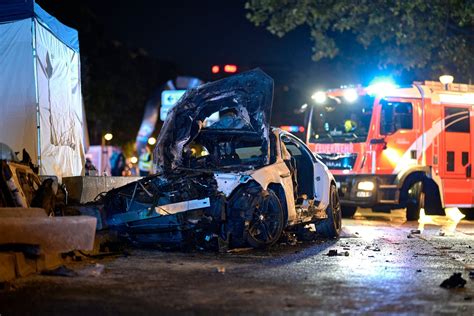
[392, 147]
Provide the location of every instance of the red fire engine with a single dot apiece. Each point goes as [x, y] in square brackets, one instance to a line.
[395, 147]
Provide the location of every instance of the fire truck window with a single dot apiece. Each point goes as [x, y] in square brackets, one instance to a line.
[339, 121]
[395, 116]
[456, 120]
[465, 158]
[450, 160]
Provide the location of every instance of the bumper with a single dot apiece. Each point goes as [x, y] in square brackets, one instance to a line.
[355, 190]
[173, 225]
[174, 230]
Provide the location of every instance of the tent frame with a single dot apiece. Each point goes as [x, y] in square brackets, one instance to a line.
[35, 74]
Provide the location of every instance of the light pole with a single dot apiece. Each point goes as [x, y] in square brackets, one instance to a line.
[105, 152]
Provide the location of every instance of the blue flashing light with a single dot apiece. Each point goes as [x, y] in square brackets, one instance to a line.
[380, 87]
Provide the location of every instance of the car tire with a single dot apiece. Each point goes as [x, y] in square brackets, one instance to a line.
[416, 201]
[468, 212]
[348, 211]
[267, 223]
[331, 226]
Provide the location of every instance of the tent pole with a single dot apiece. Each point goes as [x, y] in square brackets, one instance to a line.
[35, 72]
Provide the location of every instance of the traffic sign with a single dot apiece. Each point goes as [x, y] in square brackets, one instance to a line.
[168, 100]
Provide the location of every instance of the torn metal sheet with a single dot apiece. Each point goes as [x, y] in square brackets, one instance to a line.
[182, 206]
[146, 212]
[250, 94]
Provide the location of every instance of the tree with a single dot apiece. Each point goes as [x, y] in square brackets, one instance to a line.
[435, 36]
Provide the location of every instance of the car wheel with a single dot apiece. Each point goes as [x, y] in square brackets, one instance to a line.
[331, 227]
[416, 201]
[266, 225]
[348, 211]
[469, 212]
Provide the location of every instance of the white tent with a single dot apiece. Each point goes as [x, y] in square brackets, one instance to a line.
[40, 88]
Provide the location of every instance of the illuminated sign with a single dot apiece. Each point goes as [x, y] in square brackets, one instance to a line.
[168, 100]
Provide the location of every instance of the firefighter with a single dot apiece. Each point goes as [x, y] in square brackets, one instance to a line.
[145, 162]
[350, 124]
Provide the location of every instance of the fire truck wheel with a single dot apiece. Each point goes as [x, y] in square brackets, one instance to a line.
[469, 212]
[331, 226]
[416, 201]
[348, 211]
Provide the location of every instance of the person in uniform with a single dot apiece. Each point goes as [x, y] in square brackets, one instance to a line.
[145, 162]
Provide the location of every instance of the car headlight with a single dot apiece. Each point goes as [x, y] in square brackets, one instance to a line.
[365, 186]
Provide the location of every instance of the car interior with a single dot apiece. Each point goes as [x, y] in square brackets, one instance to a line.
[301, 167]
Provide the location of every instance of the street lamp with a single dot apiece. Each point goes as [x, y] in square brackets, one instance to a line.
[108, 137]
[105, 152]
[152, 141]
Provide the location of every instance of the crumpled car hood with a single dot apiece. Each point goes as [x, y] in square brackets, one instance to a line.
[250, 95]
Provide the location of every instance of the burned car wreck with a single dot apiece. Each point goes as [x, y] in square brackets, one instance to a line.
[224, 177]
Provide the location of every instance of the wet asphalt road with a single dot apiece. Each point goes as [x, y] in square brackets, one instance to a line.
[385, 272]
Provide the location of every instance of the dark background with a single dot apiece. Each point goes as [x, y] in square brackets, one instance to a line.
[130, 48]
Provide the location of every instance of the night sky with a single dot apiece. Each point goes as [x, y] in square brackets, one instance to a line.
[194, 35]
[197, 34]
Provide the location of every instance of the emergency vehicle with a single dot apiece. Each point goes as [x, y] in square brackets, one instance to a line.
[395, 147]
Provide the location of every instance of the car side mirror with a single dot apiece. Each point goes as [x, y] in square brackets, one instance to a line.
[379, 143]
[375, 141]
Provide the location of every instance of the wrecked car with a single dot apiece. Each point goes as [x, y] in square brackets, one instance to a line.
[224, 176]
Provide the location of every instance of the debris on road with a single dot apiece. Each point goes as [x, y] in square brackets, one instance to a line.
[289, 238]
[60, 271]
[334, 253]
[471, 274]
[454, 281]
[239, 250]
[373, 248]
[415, 231]
[220, 269]
[443, 248]
[94, 271]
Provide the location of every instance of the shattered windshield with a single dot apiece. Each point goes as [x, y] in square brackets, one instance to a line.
[225, 150]
[342, 122]
[230, 116]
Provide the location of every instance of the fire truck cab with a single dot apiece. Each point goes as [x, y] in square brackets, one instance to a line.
[395, 147]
